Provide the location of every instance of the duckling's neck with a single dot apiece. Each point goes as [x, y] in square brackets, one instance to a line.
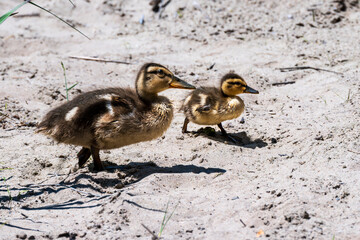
[147, 96]
[144, 95]
[226, 95]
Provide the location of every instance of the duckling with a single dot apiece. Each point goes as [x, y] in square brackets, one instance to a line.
[115, 117]
[212, 106]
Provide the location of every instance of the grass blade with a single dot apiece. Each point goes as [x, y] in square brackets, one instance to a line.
[163, 221]
[8, 14]
[66, 89]
[59, 19]
[166, 220]
[72, 86]
[171, 214]
[72, 3]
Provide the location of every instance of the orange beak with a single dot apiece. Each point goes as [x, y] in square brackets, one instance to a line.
[178, 83]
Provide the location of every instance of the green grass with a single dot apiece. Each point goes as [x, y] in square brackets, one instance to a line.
[348, 97]
[166, 220]
[66, 88]
[9, 193]
[2, 169]
[8, 190]
[22, 192]
[323, 100]
[12, 12]
[2, 224]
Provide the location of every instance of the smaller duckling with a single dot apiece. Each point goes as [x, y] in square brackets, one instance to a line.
[212, 106]
[115, 117]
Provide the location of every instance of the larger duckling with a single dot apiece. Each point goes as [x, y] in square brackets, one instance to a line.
[115, 117]
[212, 106]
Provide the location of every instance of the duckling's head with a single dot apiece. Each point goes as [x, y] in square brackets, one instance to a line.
[232, 84]
[154, 78]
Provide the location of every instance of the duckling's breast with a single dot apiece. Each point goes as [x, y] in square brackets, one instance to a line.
[211, 109]
[136, 126]
[234, 107]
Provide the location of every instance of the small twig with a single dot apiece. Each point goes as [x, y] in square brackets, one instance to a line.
[289, 69]
[211, 67]
[218, 174]
[7, 116]
[162, 8]
[348, 98]
[165, 4]
[99, 60]
[27, 15]
[19, 227]
[72, 3]
[353, 151]
[154, 237]
[283, 83]
[313, 14]
[243, 223]
[27, 217]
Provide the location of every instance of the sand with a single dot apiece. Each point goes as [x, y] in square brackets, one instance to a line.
[294, 175]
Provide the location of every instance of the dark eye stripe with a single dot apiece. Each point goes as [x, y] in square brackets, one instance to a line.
[235, 83]
[156, 72]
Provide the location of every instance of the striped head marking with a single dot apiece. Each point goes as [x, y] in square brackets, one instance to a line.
[154, 78]
[232, 84]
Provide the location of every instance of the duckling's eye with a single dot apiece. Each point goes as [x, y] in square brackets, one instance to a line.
[160, 73]
[234, 83]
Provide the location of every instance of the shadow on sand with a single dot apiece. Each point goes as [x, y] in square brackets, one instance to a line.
[139, 170]
[132, 173]
[243, 140]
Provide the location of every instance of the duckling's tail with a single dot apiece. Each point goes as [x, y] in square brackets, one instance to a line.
[40, 130]
[45, 129]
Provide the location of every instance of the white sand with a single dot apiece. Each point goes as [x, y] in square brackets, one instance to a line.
[295, 176]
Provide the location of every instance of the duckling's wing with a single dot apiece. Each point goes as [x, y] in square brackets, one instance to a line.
[111, 105]
[119, 107]
[204, 108]
[204, 99]
[74, 122]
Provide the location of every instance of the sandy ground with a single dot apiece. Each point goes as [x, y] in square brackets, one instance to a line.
[295, 174]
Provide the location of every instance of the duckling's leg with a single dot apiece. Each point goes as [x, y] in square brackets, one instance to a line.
[83, 156]
[224, 133]
[186, 122]
[96, 157]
